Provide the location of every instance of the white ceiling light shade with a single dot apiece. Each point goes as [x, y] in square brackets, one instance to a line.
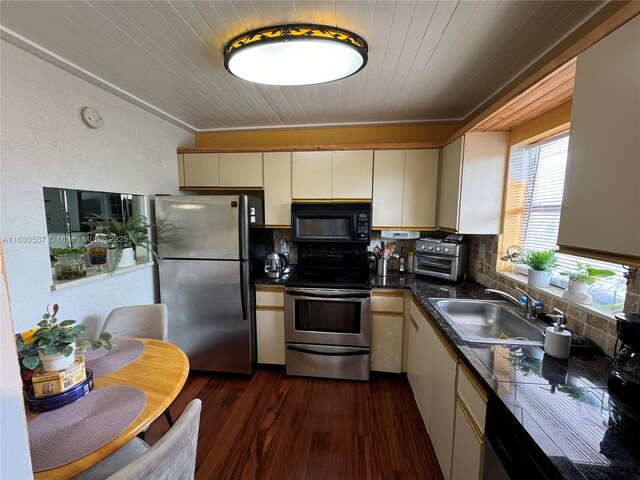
[295, 55]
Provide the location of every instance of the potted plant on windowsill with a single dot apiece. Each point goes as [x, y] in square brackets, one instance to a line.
[124, 237]
[540, 264]
[70, 262]
[579, 280]
[54, 344]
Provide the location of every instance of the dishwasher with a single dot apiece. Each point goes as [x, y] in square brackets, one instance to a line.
[506, 456]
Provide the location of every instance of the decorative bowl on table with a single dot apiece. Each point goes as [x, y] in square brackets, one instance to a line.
[57, 400]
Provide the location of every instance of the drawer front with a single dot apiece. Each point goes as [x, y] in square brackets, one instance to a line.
[270, 297]
[393, 303]
[475, 402]
[346, 363]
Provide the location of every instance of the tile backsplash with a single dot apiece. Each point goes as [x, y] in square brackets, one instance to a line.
[599, 328]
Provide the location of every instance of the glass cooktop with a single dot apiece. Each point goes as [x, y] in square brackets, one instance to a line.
[330, 277]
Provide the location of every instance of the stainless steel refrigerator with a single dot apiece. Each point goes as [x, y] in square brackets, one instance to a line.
[204, 249]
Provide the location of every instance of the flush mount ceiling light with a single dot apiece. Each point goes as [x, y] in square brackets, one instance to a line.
[295, 55]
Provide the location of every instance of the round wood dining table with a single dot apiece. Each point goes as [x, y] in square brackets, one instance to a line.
[161, 372]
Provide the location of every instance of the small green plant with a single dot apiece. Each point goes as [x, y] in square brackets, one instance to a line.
[584, 272]
[53, 337]
[67, 252]
[127, 233]
[542, 260]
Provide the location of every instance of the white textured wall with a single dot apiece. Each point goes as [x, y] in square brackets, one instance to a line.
[44, 143]
[15, 461]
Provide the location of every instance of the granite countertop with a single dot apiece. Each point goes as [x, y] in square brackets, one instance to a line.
[561, 410]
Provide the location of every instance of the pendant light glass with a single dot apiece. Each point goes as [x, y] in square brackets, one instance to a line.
[295, 55]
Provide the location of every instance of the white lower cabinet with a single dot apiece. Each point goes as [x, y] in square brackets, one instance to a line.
[270, 336]
[414, 365]
[387, 319]
[270, 325]
[441, 373]
[468, 447]
[421, 339]
[432, 372]
[471, 413]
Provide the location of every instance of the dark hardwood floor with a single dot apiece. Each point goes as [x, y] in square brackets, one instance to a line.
[285, 428]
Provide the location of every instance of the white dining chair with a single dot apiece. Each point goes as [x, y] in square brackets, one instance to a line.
[173, 457]
[138, 321]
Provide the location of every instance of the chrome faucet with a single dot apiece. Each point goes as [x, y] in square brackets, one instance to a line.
[528, 307]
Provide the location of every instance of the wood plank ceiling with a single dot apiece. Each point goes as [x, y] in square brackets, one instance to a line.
[428, 60]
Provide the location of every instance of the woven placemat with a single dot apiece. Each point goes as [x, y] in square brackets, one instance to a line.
[62, 436]
[106, 361]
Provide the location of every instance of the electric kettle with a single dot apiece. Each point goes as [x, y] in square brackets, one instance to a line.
[275, 265]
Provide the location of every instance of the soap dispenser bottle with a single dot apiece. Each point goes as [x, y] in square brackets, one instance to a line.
[557, 340]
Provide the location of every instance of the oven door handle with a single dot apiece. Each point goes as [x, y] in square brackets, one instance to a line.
[327, 295]
[355, 351]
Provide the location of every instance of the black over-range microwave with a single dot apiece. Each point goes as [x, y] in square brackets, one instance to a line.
[331, 222]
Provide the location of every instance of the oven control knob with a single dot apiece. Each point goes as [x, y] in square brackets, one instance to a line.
[437, 249]
[429, 248]
[445, 250]
[422, 247]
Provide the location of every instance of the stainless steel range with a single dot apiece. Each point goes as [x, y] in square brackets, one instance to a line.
[328, 313]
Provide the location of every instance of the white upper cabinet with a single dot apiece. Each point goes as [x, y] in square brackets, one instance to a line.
[388, 188]
[601, 192]
[449, 189]
[311, 175]
[181, 170]
[241, 170]
[230, 170]
[472, 183]
[277, 189]
[352, 174]
[344, 175]
[420, 189]
[405, 189]
[201, 170]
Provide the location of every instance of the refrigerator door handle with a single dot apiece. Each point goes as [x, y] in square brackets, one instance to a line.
[244, 289]
[244, 215]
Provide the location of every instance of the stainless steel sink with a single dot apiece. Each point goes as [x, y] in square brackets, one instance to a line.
[489, 321]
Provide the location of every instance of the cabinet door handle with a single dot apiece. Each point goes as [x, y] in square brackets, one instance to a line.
[413, 322]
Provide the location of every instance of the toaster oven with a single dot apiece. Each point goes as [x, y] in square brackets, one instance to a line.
[442, 258]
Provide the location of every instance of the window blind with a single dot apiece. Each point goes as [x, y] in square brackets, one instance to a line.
[545, 167]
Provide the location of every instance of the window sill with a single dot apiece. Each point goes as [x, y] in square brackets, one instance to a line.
[556, 292]
[93, 276]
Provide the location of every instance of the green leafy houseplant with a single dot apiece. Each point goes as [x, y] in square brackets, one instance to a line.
[53, 337]
[584, 272]
[71, 262]
[67, 252]
[124, 234]
[542, 261]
